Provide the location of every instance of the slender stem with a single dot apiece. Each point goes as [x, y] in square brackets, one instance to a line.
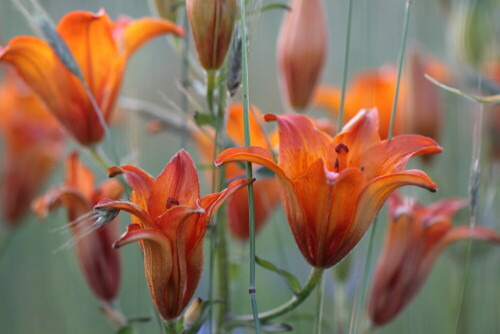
[210, 90]
[400, 67]
[171, 327]
[185, 75]
[340, 119]
[251, 218]
[319, 304]
[464, 287]
[222, 253]
[99, 159]
[296, 300]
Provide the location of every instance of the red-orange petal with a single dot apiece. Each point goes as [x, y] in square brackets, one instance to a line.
[79, 176]
[144, 219]
[300, 143]
[178, 182]
[140, 181]
[140, 31]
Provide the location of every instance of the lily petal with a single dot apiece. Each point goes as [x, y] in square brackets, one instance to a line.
[177, 182]
[140, 31]
[158, 261]
[140, 181]
[374, 196]
[300, 143]
[79, 176]
[144, 220]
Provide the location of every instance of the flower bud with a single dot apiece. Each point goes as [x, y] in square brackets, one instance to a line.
[212, 24]
[302, 48]
[192, 313]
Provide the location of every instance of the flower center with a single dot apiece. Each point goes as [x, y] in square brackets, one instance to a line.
[341, 160]
[171, 202]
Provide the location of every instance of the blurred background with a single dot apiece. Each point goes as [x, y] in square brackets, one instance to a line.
[43, 291]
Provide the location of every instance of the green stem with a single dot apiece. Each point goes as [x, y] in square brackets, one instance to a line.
[222, 253]
[296, 300]
[319, 305]
[99, 158]
[251, 218]
[400, 67]
[340, 119]
[171, 327]
[185, 75]
[210, 90]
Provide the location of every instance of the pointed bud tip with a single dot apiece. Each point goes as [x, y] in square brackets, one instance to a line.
[114, 171]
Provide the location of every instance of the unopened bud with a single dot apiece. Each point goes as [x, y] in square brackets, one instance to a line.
[212, 24]
[192, 313]
[302, 48]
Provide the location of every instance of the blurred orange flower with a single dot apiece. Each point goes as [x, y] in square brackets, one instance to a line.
[420, 110]
[302, 50]
[332, 188]
[33, 145]
[265, 194]
[99, 262]
[416, 235]
[169, 220]
[101, 48]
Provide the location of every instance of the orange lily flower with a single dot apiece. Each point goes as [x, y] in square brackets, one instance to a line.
[416, 235]
[101, 48]
[368, 89]
[99, 262]
[265, 194]
[33, 145]
[169, 220]
[420, 110]
[332, 188]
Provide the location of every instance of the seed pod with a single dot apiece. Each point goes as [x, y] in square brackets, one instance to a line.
[302, 48]
[234, 65]
[212, 24]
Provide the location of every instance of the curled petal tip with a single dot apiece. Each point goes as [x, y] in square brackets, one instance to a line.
[114, 171]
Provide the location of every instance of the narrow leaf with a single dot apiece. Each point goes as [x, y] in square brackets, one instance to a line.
[125, 330]
[291, 280]
[204, 119]
[492, 99]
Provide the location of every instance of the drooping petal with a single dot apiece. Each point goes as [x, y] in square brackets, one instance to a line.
[35, 61]
[392, 156]
[144, 219]
[158, 262]
[111, 189]
[140, 181]
[140, 31]
[75, 202]
[301, 143]
[178, 182]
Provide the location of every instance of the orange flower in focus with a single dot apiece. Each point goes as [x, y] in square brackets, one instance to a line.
[332, 188]
[416, 235]
[101, 48]
[99, 262]
[33, 145]
[302, 49]
[265, 193]
[169, 220]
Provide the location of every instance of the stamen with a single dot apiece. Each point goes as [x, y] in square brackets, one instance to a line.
[171, 202]
[341, 147]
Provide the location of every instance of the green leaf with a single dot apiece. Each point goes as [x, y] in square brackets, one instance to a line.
[204, 119]
[291, 280]
[275, 5]
[125, 330]
[492, 99]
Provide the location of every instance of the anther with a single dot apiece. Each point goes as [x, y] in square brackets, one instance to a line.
[341, 147]
[171, 202]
